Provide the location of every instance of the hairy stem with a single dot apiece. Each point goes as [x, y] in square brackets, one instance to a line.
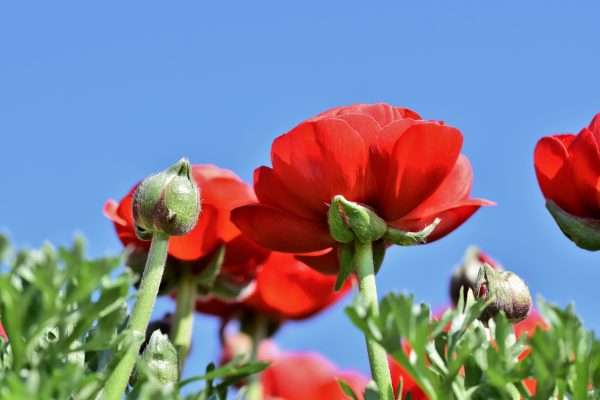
[142, 310]
[363, 259]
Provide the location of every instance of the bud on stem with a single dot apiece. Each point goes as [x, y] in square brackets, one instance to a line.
[167, 202]
[505, 291]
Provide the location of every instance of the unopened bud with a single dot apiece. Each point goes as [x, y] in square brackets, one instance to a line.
[160, 358]
[168, 202]
[465, 276]
[505, 291]
[584, 232]
[349, 220]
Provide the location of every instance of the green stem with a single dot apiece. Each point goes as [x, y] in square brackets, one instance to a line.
[142, 310]
[259, 333]
[363, 258]
[181, 336]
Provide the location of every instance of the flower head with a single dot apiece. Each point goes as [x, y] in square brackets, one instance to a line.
[568, 168]
[406, 170]
[284, 289]
[221, 191]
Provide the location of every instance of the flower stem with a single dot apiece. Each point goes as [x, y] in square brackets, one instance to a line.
[363, 258]
[142, 310]
[184, 318]
[259, 333]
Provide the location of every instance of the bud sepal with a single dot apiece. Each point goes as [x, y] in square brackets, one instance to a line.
[584, 232]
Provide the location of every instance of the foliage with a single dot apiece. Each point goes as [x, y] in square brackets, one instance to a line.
[458, 357]
[64, 316]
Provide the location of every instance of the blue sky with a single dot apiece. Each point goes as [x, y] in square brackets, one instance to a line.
[94, 96]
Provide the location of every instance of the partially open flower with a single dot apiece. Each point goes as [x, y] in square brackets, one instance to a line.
[505, 291]
[167, 202]
[567, 168]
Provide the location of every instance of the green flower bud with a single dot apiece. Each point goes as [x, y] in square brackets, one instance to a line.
[349, 220]
[584, 232]
[160, 358]
[167, 202]
[505, 291]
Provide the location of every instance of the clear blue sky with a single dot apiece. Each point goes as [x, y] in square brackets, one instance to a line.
[96, 95]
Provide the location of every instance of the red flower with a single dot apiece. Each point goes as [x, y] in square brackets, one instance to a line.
[407, 169]
[302, 376]
[3, 334]
[568, 168]
[285, 288]
[221, 191]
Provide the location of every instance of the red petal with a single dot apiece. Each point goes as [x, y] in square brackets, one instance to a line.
[271, 191]
[324, 262]
[554, 173]
[595, 126]
[422, 158]
[293, 290]
[279, 230]
[331, 390]
[320, 159]
[409, 386]
[202, 240]
[243, 257]
[383, 113]
[293, 376]
[455, 187]
[584, 159]
[451, 218]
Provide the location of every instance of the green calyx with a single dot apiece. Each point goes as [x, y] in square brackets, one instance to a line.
[584, 232]
[505, 291]
[405, 238]
[167, 202]
[349, 221]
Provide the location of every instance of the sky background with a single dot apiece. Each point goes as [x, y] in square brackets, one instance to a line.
[95, 96]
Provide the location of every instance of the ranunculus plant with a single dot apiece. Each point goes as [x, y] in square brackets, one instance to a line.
[342, 188]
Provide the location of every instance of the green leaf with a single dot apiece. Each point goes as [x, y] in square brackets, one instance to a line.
[347, 389]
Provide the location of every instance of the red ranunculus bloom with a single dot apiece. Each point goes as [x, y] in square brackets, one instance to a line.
[303, 376]
[221, 191]
[568, 169]
[285, 288]
[407, 169]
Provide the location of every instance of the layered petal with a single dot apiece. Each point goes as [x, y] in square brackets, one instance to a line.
[319, 159]
[279, 230]
[384, 114]
[451, 218]
[553, 172]
[289, 289]
[584, 161]
[421, 159]
[302, 376]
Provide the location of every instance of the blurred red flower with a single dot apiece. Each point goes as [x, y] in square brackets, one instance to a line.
[285, 288]
[302, 376]
[568, 167]
[407, 169]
